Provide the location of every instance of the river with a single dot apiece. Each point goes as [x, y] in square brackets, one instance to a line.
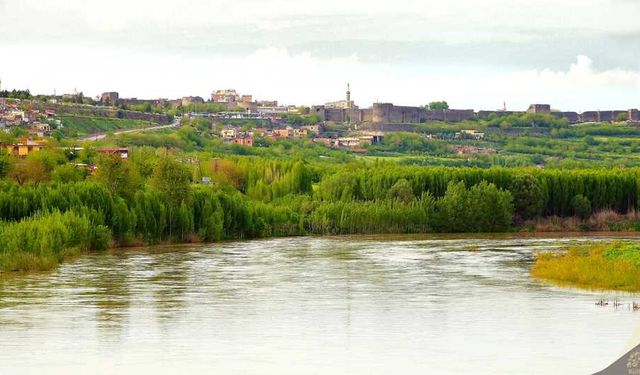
[329, 305]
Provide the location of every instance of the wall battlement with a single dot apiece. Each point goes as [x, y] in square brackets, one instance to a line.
[388, 113]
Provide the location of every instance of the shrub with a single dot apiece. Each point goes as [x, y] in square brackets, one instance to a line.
[581, 206]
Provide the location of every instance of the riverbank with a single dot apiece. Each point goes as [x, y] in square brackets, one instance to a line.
[601, 266]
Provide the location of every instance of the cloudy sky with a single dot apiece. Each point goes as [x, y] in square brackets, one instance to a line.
[573, 54]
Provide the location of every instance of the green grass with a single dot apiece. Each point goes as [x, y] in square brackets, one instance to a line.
[83, 125]
[608, 266]
[41, 242]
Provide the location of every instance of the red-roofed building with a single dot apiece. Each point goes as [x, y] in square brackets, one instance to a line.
[123, 152]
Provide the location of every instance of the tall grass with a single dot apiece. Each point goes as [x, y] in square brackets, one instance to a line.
[608, 266]
[42, 241]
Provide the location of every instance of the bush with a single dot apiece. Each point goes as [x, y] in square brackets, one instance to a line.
[401, 191]
[483, 208]
[581, 206]
[528, 196]
[43, 241]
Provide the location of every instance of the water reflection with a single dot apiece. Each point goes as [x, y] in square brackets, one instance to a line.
[323, 305]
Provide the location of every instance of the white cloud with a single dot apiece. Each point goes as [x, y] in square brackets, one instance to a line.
[302, 78]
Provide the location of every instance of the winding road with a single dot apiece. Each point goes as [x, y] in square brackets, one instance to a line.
[97, 136]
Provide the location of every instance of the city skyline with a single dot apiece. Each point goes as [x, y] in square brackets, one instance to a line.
[410, 53]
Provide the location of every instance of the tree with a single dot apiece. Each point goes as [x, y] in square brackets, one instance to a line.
[28, 170]
[67, 173]
[401, 191]
[437, 105]
[172, 179]
[622, 117]
[119, 176]
[581, 206]
[528, 196]
[147, 107]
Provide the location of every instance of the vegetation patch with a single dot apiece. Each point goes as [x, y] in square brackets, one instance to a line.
[604, 266]
[83, 125]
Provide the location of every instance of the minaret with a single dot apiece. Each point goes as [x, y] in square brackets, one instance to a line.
[348, 96]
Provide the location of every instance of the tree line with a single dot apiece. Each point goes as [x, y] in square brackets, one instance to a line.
[154, 198]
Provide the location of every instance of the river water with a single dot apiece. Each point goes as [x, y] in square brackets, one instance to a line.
[348, 305]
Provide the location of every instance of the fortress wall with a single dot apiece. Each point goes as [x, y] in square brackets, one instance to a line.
[573, 117]
[380, 112]
[387, 113]
[486, 114]
[459, 114]
[601, 116]
[366, 115]
[319, 110]
[618, 113]
[334, 114]
[608, 116]
[408, 114]
[590, 116]
[429, 115]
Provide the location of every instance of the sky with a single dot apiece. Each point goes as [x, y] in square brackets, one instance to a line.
[573, 54]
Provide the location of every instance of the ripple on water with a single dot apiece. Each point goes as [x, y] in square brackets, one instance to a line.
[298, 305]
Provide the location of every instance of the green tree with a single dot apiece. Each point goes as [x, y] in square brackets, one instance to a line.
[528, 196]
[437, 105]
[120, 176]
[401, 191]
[172, 179]
[29, 170]
[622, 117]
[581, 206]
[67, 173]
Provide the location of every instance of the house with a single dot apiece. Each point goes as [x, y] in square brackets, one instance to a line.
[257, 132]
[349, 142]
[466, 150]
[24, 148]
[228, 133]
[313, 129]
[282, 133]
[122, 152]
[300, 133]
[40, 129]
[469, 134]
[245, 141]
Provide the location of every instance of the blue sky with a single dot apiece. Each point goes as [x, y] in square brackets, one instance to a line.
[575, 55]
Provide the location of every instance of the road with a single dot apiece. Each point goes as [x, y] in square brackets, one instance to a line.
[97, 136]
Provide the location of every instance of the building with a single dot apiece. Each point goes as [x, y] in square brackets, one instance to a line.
[122, 152]
[342, 104]
[244, 141]
[189, 100]
[372, 138]
[109, 98]
[229, 132]
[267, 103]
[469, 134]
[282, 133]
[539, 108]
[25, 147]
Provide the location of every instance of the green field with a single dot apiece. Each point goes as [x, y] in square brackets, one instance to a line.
[81, 125]
[610, 266]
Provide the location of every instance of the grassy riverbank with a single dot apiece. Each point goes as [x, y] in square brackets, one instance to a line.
[604, 266]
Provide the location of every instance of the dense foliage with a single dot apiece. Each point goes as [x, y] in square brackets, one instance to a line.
[156, 196]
